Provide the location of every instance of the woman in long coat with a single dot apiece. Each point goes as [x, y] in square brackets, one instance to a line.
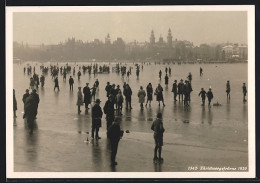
[79, 99]
[159, 94]
[149, 90]
[141, 95]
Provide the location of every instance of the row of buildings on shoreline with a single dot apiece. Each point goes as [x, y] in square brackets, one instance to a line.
[171, 50]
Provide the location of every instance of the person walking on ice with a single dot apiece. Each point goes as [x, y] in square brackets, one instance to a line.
[158, 129]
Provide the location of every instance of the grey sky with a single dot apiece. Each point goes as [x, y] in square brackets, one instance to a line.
[197, 27]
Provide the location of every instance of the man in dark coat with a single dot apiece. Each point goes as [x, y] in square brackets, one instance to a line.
[128, 95]
[174, 89]
[244, 91]
[158, 129]
[209, 95]
[96, 119]
[108, 88]
[109, 111]
[87, 96]
[71, 82]
[166, 78]
[114, 135]
[180, 90]
[56, 84]
[42, 80]
[31, 107]
[25, 97]
[203, 95]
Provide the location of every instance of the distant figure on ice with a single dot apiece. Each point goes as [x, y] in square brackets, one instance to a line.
[87, 96]
[149, 91]
[96, 119]
[160, 74]
[244, 91]
[159, 94]
[166, 70]
[79, 74]
[189, 77]
[228, 90]
[71, 82]
[56, 84]
[114, 134]
[170, 71]
[64, 75]
[42, 80]
[79, 99]
[109, 111]
[141, 95]
[210, 96]
[93, 93]
[166, 78]
[14, 104]
[201, 71]
[174, 89]
[128, 95]
[158, 129]
[203, 96]
[180, 90]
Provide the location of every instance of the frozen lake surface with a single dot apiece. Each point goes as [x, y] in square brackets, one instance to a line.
[213, 136]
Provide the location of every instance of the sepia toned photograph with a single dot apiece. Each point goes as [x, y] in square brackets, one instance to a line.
[130, 92]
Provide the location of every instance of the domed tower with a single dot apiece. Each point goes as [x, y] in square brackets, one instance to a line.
[107, 39]
[152, 38]
[169, 38]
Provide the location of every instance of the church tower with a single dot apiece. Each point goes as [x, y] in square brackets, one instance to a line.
[107, 39]
[169, 38]
[152, 38]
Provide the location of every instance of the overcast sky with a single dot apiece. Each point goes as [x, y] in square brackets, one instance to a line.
[197, 27]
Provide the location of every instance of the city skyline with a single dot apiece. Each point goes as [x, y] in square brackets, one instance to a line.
[196, 27]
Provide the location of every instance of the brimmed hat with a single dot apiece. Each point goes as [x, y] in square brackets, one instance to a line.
[26, 90]
[98, 101]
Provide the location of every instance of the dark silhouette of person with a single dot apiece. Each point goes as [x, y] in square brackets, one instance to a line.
[159, 94]
[174, 89]
[71, 82]
[87, 95]
[160, 74]
[180, 90]
[166, 78]
[128, 96]
[228, 90]
[244, 91]
[25, 97]
[79, 74]
[158, 129]
[14, 104]
[149, 91]
[96, 119]
[109, 111]
[114, 135]
[108, 89]
[201, 71]
[209, 95]
[202, 94]
[42, 80]
[56, 84]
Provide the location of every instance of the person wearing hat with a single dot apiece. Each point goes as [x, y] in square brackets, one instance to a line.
[159, 94]
[203, 96]
[149, 91]
[158, 129]
[114, 134]
[228, 90]
[209, 95]
[109, 111]
[244, 91]
[79, 99]
[87, 95]
[174, 89]
[128, 96]
[56, 84]
[96, 119]
[180, 90]
[25, 97]
[141, 95]
[108, 89]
